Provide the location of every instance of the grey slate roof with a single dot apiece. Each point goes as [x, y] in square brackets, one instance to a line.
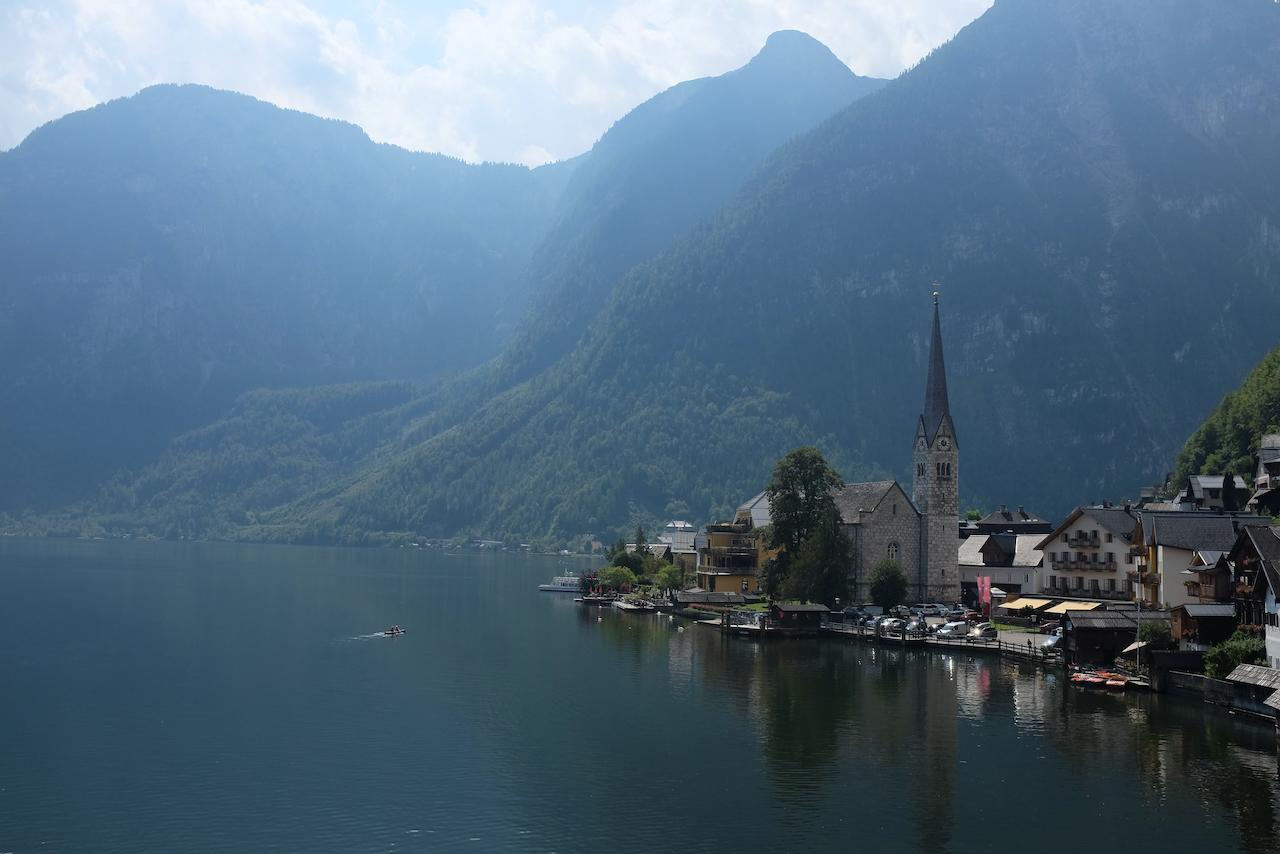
[802, 607]
[1193, 530]
[1027, 551]
[1211, 609]
[758, 507]
[858, 497]
[1006, 516]
[1115, 620]
[689, 597]
[1273, 701]
[1252, 674]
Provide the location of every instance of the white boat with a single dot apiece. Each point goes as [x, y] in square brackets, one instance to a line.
[624, 605]
[562, 584]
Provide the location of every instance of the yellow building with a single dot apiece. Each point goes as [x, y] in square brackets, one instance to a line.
[730, 554]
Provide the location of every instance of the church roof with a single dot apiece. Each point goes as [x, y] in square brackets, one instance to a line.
[936, 405]
[856, 498]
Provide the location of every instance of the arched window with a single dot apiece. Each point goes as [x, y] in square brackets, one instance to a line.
[893, 551]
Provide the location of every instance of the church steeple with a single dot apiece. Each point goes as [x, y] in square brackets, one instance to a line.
[936, 406]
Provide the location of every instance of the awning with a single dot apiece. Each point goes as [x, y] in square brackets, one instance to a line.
[1133, 647]
[1026, 602]
[1064, 607]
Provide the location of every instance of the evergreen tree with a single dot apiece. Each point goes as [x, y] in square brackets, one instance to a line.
[801, 500]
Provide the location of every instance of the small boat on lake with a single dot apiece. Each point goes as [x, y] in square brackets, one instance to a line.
[563, 584]
[392, 632]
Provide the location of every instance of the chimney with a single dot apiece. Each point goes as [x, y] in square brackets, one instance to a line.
[1004, 509]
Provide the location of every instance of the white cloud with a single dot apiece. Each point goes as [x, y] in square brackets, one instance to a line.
[493, 79]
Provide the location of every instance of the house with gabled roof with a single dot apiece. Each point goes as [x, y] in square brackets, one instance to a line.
[1088, 554]
[1266, 477]
[1256, 557]
[1168, 542]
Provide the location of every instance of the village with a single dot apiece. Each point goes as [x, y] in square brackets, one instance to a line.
[1176, 592]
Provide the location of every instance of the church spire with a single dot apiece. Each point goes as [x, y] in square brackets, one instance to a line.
[936, 406]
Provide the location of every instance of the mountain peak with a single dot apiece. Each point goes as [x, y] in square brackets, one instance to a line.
[793, 46]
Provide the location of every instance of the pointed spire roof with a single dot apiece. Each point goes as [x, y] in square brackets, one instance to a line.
[936, 406]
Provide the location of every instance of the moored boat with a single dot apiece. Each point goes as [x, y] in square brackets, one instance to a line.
[602, 599]
[563, 584]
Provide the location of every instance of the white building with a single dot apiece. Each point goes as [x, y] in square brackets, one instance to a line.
[1088, 555]
[1011, 561]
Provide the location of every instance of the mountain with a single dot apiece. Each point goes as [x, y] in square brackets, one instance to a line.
[1093, 184]
[669, 163]
[166, 252]
[664, 167]
[1228, 439]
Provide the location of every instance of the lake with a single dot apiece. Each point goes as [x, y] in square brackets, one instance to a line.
[214, 697]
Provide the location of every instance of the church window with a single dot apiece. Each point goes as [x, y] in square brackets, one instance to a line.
[893, 551]
[895, 509]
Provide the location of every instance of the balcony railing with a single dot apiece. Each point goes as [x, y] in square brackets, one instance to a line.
[1073, 563]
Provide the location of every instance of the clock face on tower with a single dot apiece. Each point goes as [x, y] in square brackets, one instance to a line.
[944, 443]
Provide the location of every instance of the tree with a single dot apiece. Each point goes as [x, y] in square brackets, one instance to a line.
[820, 572]
[1241, 648]
[640, 540]
[670, 577]
[888, 584]
[1156, 635]
[617, 578]
[801, 499]
[973, 514]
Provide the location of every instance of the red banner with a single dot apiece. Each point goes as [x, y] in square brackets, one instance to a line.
[984, 590]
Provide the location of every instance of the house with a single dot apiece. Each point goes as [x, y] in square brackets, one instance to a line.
[1209, 577]
[1266, 477]
[1208, 492]
[1011, 561]
[1165, 542]
[1257, 560]
[1098, 636]
[730, 554]
[679, 534]
[1198, 626]
[1013, 521]
[1087, 555]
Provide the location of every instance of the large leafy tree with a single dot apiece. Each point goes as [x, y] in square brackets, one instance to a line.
[820, 572]
[888, 584]
[801, 503]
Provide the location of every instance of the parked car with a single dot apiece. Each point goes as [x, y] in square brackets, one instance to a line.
[954, 629]
[901, 611]
[1052, 643]
[917, 627]
[870, 622]
[1050, 627]
[955, 611]
[892, 625]
[983, 631]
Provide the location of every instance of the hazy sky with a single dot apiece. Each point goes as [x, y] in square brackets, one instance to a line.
[522, 80]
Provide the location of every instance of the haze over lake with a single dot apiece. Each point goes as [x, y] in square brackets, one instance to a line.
[207, 697]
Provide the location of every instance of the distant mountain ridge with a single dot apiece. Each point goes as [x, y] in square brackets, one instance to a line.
[166, 252]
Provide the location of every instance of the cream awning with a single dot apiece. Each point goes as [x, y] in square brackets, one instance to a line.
[1064, 607]
[1133, 647]
[1026, 602]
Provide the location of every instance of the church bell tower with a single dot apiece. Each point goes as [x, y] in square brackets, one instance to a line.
[936, 459]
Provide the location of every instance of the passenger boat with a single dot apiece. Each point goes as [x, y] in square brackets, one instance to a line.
[562, 584]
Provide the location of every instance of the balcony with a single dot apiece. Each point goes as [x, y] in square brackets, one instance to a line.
[1082, 541]
[1082, 565]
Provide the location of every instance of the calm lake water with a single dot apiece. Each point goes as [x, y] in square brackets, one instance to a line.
[171, 697]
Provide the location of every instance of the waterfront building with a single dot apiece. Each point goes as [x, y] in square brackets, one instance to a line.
[1088, 554]
[1256, 558]
[1166, 542]
[1198, 626]
[730, 554]
[679, 534]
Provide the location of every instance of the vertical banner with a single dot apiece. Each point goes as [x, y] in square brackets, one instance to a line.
[984, 595]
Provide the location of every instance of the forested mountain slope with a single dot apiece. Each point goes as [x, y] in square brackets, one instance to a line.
[1228, 439]
[1093, 183]
[166, 252]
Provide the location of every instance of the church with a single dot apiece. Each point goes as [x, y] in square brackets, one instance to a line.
[920, 531]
